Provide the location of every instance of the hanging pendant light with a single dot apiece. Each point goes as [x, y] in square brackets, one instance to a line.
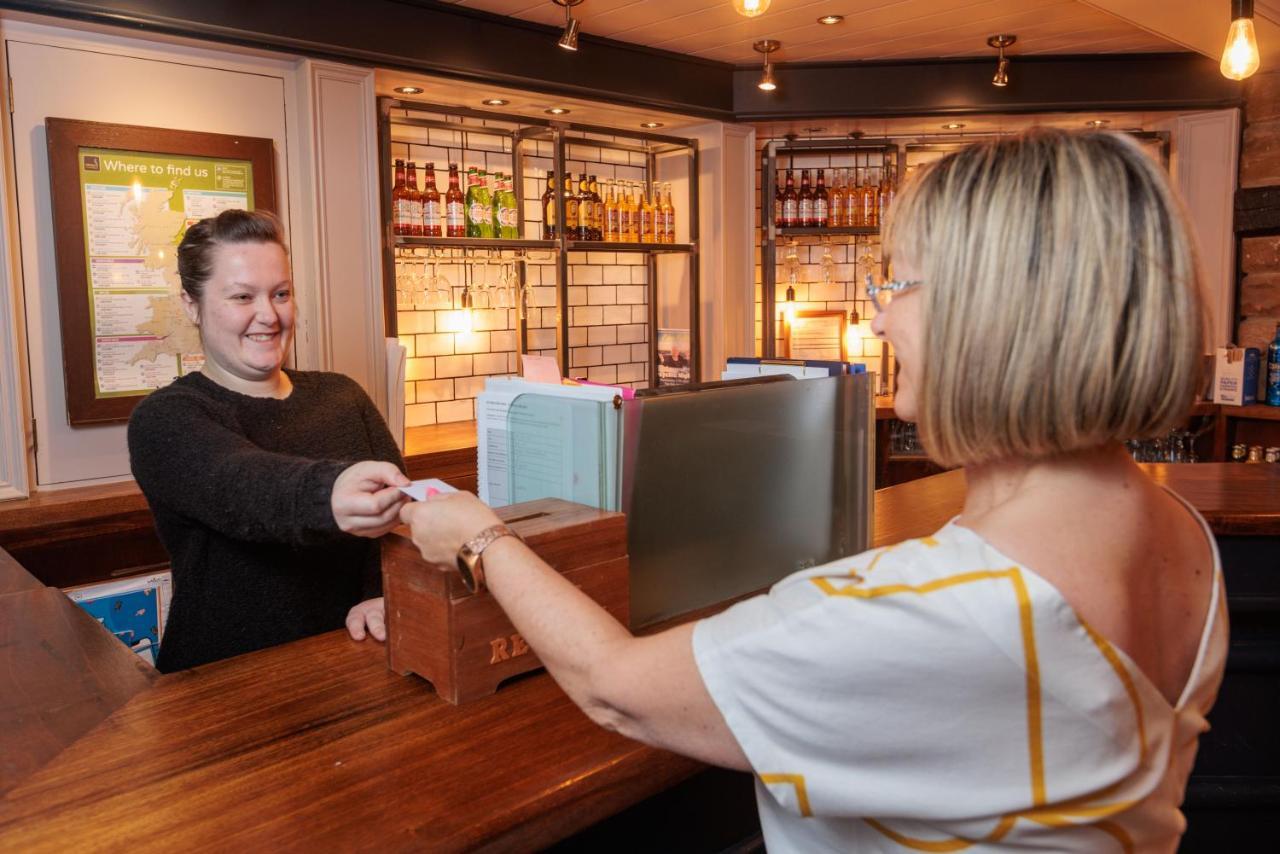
[1001, 42]
[766, 47]
[1240, 56]
[569, 38]
[751, 8]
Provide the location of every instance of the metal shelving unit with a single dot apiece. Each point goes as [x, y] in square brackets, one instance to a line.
[772, 157]
[562, 135]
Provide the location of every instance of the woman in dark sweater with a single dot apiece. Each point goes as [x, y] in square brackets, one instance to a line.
[269, 486]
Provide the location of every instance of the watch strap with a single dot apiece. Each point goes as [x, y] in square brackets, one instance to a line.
[471, 555]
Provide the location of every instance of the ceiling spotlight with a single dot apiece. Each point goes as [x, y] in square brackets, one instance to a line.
[569, 38]
[651, 125]
[1002, 67]
[953, 126]
[408, 90]
[495, 102]
[557, 111]
[751, 8]
[766, 47]
[814, 130]
[1240, 56]
[1097, 123]
[830, 20]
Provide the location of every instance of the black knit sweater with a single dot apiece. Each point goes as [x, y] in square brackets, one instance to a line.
[240, 489]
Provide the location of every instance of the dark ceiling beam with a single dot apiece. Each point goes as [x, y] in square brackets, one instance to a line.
[429, 37]
[1094, 83]
[446, 40]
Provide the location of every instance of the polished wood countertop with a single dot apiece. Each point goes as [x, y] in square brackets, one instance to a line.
[317, 743]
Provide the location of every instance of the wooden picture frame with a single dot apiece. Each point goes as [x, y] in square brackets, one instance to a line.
[219, 169]
[816, 335]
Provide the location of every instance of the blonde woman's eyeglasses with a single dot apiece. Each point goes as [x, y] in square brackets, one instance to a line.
[883, 294]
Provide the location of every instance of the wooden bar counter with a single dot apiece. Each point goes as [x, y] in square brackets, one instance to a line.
[317, 745]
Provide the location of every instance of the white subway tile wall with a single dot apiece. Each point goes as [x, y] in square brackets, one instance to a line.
[608, 291]
[830, 272]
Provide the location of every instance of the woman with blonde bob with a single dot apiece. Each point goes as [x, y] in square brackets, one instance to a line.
[1035, 674]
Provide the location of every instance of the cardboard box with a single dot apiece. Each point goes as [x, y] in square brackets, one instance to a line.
[1235, 375]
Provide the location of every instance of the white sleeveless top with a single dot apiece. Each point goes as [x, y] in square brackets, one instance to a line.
[937, 696]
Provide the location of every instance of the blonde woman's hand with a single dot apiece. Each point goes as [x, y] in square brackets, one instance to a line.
[366, 501]
[442, 523]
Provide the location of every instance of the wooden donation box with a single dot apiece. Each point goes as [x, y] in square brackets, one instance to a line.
[463, 643]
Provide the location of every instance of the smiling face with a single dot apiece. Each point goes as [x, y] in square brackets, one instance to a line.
[246, 316]
[902, 325]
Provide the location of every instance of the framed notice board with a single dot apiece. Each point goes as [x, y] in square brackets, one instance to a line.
[122, 198]
[816, 335]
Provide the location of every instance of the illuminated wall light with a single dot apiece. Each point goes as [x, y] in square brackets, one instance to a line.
[1097, 123]
[495, 102]
[830, 20]
[651, 125]
[557, 111]
[751, 8]
[408, 90]
[953, 126]
[1240, 55]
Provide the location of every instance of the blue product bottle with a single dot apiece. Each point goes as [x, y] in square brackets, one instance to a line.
[1273, 370]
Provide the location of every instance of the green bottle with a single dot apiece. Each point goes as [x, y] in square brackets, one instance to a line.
[479, 214]
[495, 206]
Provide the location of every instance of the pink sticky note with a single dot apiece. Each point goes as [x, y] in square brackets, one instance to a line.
[540, 369]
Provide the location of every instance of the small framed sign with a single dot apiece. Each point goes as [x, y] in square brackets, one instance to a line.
[816, 335]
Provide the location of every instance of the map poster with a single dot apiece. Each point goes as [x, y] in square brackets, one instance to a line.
[136, 209]
[123, 199]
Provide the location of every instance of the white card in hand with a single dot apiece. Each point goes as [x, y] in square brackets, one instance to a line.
[420, 489]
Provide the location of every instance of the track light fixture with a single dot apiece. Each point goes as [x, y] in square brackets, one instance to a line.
[1240, 56]
[766, 47]
[569, 38]
[1001, 42]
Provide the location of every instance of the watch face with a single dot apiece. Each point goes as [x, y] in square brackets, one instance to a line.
[464, 569]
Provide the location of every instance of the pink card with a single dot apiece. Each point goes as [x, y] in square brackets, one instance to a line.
[540, 369]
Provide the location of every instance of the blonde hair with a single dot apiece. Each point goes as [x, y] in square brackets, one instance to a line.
[1062, 297]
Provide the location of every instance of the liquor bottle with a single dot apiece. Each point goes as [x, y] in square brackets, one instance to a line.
[455, 218]
[612, 218]
[597, 209]
[836, 209]
[790, 203]
[821, 202]
[510, 208]
[475, 215]
[647, 216]
[779, 199]
[668, 216]
[871, 200]
[415, 201]
[857, 192]
[570, 210]
[805, 201]
[887, 193]
[549, 208]
[431, 213]
[497, 224]
[401, 216]
[586, 209]
[631, 216]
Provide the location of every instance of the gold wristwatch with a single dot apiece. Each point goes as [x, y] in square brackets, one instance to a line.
[470, 565]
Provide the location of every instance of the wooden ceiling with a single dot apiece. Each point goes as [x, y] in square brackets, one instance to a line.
[871, 30]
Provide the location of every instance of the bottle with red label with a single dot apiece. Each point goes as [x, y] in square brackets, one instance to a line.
[432, 215]
[455, 219]
[415, 201]
[401, 214]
